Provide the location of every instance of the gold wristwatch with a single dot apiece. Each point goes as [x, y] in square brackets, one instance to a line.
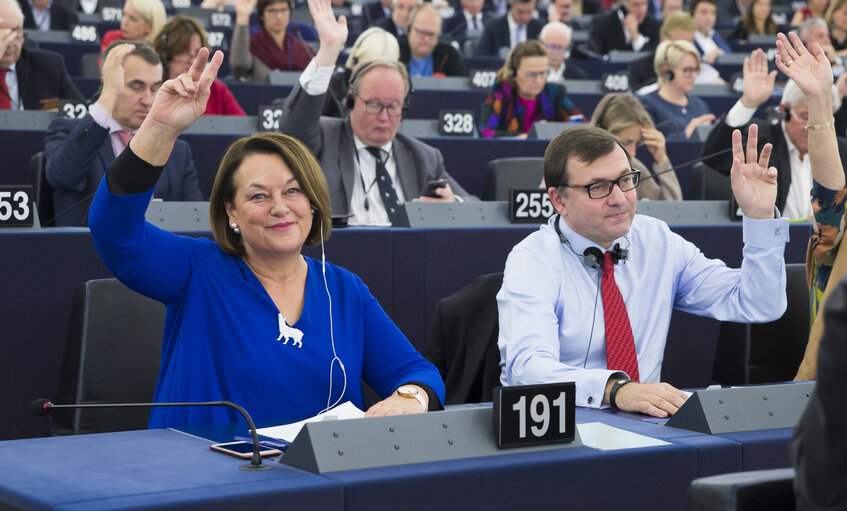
[410, 392]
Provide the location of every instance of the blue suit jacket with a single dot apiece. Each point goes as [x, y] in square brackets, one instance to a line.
[78, 153]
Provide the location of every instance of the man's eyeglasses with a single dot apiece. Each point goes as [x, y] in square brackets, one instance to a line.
[602, 189]
[375, 107]
[556, 47]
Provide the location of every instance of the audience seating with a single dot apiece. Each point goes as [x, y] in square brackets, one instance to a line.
[506, 174]
[756, 490]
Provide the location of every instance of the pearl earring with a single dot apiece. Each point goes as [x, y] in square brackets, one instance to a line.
[235, 228]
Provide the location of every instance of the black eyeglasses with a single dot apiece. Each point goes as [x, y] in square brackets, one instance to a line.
[374, 107]
[602, 189]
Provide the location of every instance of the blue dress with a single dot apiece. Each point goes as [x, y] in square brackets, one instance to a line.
[671, 119]
[220, 337]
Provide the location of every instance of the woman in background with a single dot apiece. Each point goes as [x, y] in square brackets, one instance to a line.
[674, 110]
[178, 44]
[141, 21]
[622, 115]
[757, 19]
[521, 95]
[252, 57]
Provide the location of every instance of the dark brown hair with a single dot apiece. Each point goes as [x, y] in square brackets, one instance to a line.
[175, 38]
[303, 165]
[585, 144]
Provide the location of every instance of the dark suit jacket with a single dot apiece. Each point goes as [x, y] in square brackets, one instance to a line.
[818, 447]
[456, 26]
[373, 12]
[720, 138]
[642, 72]
[331, 140]
[607, 33]
[388, 25]
[496, 35]
[42, 75]
[445, 58]
[574, 72]
[463, 342]
[61, 18]
[78, 153]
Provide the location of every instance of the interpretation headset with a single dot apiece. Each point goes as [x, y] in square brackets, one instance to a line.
[163, 37]
[592, 256]
[613, 96]
[669, 74]
[361, 70]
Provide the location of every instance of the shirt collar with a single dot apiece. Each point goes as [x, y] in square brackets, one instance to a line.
[386, 148]
[579, 242]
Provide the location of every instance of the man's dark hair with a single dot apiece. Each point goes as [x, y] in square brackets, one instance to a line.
[511, 3]
[585, 144]
[261, 5]
[693, 5]
[143, 50]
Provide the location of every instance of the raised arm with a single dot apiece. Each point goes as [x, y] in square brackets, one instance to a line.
[812, 72]
[753, 183]
[178, 104]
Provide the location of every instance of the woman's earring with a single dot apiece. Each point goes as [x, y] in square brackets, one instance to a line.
[235, 228]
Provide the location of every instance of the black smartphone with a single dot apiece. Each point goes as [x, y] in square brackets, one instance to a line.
[432, 186]
[244, 450]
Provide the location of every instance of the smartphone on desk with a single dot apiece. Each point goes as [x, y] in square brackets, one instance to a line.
[244, 450]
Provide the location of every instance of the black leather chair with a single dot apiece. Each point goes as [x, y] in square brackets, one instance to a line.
[708, 184]
[112, 355]
[506, 174]
[463, 341]
[758, 490]
[42, 191]
[766, 352]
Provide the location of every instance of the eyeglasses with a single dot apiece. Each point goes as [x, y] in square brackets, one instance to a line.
[602, 189]
[428, 35]
[689, 71]
[534, 75]
[375, 107]
[277, 12]
[556, 47]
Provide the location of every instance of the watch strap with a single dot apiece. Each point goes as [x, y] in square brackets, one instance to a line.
[615, 388]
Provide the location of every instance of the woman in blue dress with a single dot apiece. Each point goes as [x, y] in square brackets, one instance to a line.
[249, 318]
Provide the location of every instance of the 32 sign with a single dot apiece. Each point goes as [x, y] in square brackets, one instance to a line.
[16, 206]
[534, 414]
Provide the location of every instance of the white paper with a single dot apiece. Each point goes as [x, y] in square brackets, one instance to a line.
[608, 438]
[288, 432]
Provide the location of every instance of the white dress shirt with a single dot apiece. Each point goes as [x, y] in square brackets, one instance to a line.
[547, 301]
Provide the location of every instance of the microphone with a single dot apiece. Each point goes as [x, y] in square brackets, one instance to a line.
[685, 164]
[69, 209]
[44, 407]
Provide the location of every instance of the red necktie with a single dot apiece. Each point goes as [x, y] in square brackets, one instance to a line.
[125, 137]
[5, 99]
[620, 346]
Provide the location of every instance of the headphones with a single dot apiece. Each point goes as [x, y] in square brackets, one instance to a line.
[163, 37]
[613, 96]
[592, 257]
[669, 74]
[785, 110]
[360, 71]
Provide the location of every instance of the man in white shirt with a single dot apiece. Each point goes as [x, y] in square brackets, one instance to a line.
[556, 325]
[787, 134]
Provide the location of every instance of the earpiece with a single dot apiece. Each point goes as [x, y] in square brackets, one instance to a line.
[592, 256]
[786, 112]
[669, 76]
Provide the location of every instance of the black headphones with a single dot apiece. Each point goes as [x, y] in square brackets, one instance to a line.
[787, 113]
[593, 257]
[612, 97]
[669, 74]
[360, 71]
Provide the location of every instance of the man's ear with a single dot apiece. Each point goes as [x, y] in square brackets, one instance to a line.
[557, 200]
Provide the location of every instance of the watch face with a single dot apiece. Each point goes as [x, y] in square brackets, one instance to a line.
[407, 391]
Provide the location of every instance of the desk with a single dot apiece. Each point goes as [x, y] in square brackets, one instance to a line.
[142, 469]
[407, 270]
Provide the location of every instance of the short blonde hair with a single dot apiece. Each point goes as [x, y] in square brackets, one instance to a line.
[374, 43]
[153, 12]
[668, 55]
[303, 165]
[678, 21]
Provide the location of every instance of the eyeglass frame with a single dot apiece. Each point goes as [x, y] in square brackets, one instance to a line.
[612, 183]
[424, 33]
[276, 11]
[369, 108]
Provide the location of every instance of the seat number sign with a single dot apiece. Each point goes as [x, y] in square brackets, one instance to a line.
[530, 206]
[16, 206]
[534, 414]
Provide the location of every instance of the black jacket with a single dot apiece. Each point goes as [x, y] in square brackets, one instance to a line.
[607, 33]
[42, 75]
[61, 18]
[445, 58]
[496, 35]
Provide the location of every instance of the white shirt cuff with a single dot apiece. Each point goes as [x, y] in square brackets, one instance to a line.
[100, 115]
[315, 80]
[739, 115]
